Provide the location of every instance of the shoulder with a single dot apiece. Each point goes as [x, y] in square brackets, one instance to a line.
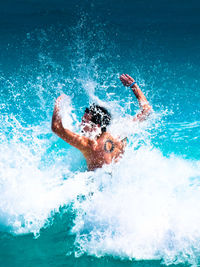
[108, 141]
[107, 136]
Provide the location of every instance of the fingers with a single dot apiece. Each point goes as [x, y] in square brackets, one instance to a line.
[123, 77]
[129, 77]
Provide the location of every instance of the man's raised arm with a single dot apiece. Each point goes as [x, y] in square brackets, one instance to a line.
[144, 104]
[80, 142]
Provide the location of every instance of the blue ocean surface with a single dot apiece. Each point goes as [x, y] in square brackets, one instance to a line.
[141, 211]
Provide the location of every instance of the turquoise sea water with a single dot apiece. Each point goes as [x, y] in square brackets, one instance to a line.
[52, 211]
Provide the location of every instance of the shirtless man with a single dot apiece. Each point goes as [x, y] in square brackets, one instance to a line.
[102, 148]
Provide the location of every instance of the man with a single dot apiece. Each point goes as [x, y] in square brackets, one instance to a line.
[102, 148]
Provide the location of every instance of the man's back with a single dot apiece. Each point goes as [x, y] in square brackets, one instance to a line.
[104, 150]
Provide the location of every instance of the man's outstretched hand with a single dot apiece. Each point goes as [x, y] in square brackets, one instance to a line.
[126, 79]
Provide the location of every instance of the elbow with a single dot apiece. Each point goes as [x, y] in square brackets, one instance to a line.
[147, 109]
[55, 126]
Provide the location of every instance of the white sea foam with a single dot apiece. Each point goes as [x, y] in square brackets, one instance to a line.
[144, 207]
[148, 208]
[32, 184]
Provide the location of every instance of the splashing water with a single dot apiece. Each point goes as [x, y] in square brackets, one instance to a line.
[144, 207]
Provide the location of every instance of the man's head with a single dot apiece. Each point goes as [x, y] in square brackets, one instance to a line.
[96, 116]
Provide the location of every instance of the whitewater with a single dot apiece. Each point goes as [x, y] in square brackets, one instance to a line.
[142, 210]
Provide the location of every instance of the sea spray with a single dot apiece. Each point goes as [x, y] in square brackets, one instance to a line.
[32, 174]
[144, 207]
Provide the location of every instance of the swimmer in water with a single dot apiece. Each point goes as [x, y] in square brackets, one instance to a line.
[97, 145]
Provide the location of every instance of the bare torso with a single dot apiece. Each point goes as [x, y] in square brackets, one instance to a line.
[103, 151]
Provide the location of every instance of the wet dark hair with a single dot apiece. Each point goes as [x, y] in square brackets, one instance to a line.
[100, 115]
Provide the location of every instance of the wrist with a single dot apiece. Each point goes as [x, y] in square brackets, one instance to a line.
[133, 85]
